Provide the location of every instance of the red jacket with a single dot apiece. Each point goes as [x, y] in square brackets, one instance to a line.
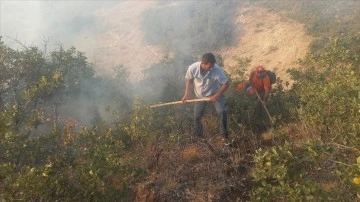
[260, 83]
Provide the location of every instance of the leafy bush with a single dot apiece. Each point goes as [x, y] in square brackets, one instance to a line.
[332, 78]
[290, 173]
[68, 166]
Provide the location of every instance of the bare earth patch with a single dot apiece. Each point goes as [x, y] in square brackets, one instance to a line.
[269, 40]
[122, 42]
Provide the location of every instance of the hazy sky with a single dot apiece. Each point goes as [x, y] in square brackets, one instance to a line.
[56, 21]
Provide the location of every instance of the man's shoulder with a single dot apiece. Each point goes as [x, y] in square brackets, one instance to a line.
[195, 65]
[217, 66]
[266, 76]
[218, 69]
[220, 73]
[193, 69]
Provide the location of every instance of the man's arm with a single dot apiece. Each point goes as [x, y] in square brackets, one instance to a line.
[266, 95]
[222, 89]
[267, 88]
[188, 85]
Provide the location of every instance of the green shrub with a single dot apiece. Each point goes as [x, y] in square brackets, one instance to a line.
[289, 173]
[329, 92]
[68, 166]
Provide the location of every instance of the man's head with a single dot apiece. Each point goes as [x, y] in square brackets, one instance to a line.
[260, 71]
[207, 61]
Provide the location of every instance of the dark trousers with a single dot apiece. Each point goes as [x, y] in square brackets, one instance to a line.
[222, 116]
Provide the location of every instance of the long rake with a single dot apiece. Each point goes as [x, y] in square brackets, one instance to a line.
[267, 111]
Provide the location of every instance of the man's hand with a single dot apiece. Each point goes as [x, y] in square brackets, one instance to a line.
[240, 86]
[186, 97]
[214, 98]
[223, 88]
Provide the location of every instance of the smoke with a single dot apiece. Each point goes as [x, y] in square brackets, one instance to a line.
[137, 34]
[191, 27]
[58, 22]
[115, 33]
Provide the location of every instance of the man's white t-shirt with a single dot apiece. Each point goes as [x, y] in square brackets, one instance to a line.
[208, 84]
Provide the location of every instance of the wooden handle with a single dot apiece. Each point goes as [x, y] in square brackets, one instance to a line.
[180, 102]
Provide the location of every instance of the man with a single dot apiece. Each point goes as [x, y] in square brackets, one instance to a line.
[209, 80]
[259, 80]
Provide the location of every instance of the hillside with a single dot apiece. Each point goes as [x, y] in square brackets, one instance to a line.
[121, 42]
[268, 38]
[182, 171]
[68, 134]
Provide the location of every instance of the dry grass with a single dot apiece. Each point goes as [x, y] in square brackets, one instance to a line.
[269, 40]
[330, 185]
[299, 134]
[199, 170]
[191, 154]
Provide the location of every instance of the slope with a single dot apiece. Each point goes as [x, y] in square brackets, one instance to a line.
[269, 39]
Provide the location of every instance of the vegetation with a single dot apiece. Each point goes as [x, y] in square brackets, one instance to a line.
[68, 135]
[322, 19]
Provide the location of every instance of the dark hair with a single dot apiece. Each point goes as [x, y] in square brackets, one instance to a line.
[208, 58]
